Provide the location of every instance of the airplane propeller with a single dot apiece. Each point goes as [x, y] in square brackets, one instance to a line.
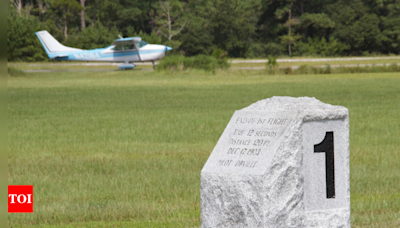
[167, 48]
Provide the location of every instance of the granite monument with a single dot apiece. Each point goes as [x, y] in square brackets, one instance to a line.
[280, 162]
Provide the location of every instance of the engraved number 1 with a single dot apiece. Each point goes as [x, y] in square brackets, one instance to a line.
[326, 146]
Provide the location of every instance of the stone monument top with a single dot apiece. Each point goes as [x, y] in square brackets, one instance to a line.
[307, 107]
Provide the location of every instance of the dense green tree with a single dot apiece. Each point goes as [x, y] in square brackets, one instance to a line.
[64, 13]
[355, 26]
[321, 47]
[233, 24]
[390, 24]
[22, 43]
[171, 21]
[242, 28]
[279, 24]
[197, 38]
[97, 36]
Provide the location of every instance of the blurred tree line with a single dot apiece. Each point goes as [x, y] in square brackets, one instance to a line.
[243, 28]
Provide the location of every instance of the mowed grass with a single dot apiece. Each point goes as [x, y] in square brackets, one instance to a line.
[125, 148]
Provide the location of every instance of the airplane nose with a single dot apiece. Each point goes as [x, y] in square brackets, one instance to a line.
[168, 48]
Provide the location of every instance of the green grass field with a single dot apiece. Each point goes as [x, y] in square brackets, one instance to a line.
[125, 148]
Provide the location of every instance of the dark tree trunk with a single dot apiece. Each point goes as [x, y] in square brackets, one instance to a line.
[94, 16]
[301, 7]
[301, 13]
[66, 31]
[19, 7]
[65, 27]
[152, 20]
[290, 17]
[83, 23]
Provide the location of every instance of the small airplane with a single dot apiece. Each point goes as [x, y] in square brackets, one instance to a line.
[125, 50]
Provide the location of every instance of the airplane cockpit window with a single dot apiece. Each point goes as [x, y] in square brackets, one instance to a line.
[142, 44]
[129, 47]
[117, 48]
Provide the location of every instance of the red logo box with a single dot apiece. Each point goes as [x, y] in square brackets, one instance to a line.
[20, 198]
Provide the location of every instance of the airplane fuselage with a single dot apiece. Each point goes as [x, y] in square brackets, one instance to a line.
[149, 52]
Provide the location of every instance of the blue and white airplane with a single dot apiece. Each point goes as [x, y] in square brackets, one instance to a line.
[125, 50]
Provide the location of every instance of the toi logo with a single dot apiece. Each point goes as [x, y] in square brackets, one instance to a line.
[20, 198]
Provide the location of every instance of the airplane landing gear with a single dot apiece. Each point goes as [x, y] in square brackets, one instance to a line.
[154, 65]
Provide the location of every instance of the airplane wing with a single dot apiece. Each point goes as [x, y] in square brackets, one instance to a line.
[129, 40]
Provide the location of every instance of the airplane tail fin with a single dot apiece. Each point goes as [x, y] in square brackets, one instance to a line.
[52, 47]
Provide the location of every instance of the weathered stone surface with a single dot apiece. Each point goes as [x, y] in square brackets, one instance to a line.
[264, 171]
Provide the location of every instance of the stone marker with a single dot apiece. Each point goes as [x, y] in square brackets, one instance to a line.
[281, 162]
